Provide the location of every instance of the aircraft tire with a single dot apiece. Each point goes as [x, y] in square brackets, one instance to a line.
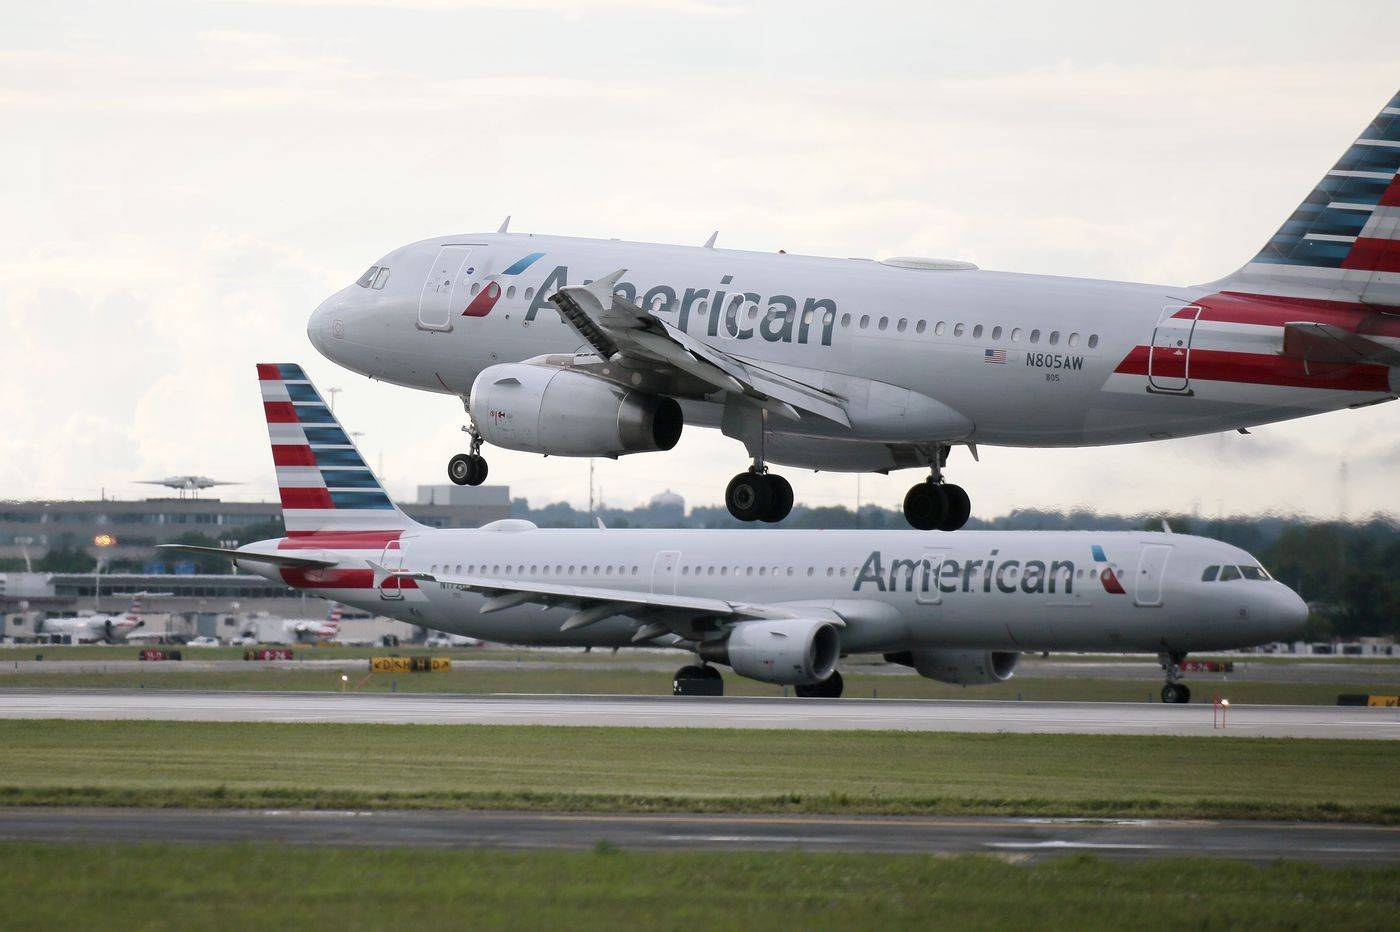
[959, 508]
[1176, 693]
[749, 496]
[479, 469]
[925, 506]
[829, 688]
[459, 469]
[697, 681]
[781, 505]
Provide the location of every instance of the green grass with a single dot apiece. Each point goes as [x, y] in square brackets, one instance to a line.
[255, 887]
[634, 769]
[599, 679]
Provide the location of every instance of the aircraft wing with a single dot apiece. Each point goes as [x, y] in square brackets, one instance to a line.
[656, 615]
[620, 330]
[1315, 342]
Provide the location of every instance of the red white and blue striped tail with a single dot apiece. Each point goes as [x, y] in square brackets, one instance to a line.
[1343, 241]
[325, 485]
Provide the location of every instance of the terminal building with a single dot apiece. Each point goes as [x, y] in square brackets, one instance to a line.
[123, 536]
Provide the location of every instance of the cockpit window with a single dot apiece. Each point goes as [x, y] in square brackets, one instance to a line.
[1254, 572]
[1210, 574]
[1228, 573]
[381, 278]
[367, 279]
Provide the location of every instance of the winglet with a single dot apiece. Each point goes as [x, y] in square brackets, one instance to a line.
[505, 225]
[710, 243]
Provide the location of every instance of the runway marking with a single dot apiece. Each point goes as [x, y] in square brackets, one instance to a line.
[1057, 844]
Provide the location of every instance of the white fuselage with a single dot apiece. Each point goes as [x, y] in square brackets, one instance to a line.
[896, 590]
[921, 356]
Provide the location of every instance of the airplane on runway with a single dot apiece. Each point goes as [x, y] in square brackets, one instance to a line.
[778, 606]
[583, 347]
[111, 629]
[311, 631]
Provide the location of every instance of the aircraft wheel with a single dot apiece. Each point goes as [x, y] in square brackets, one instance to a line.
[829, 688]
[749, 496]
[459, 469]
[781, 505]
[1176, 693]
[925, 506]
[959, 508]
[697, 681]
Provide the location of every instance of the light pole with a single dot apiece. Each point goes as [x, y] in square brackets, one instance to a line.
[101, 542]
[333, 392]
[24, 543]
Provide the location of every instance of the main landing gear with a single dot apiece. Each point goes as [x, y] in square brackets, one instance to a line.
[468, 468]
[697, 680]
[829, 688]
[1173, 691]
[935, 505]
[759, 495]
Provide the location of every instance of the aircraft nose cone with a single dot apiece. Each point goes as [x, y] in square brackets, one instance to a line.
[318, 326]
[1290, 613]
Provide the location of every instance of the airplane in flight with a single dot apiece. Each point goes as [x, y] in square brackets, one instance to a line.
[111, 629]
[777, 606]
[184, 484]
[585, 347]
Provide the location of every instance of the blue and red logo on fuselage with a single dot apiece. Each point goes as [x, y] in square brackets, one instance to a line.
[486, 299]
[1107, 574]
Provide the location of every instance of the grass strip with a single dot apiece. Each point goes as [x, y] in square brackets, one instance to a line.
[695, 770]
[48, 886]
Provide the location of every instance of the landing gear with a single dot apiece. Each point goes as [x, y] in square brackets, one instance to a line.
[1173, 692]
[696, 680]
[758, 496]
[468, 468]
[935, 505]
[829, 688]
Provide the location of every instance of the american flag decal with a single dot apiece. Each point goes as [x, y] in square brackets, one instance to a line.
[994, 356]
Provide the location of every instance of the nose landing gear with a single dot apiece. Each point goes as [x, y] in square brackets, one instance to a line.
[1173, 691]
[936, 505]
[468, 468]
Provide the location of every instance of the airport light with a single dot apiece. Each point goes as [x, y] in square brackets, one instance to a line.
[101, 542]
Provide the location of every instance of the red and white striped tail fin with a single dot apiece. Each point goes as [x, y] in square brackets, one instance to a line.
[333, 616]
[325, 485]
[1343, 241]
[133, 613]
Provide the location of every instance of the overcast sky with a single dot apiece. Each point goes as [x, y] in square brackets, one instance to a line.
[183, 182]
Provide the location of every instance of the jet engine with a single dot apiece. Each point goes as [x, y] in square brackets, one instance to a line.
[789, 651]
[960, 667]
[540, 409]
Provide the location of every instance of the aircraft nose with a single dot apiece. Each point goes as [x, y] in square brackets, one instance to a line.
[1290, 613]
[318, 326]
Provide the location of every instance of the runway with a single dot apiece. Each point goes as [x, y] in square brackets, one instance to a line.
[1336, 722]
[1027, 839]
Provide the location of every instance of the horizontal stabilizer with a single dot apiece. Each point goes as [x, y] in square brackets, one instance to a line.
[1313, 342]
[274, 559]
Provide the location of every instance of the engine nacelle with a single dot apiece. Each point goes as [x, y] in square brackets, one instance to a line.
[540, 409]
[789, 651]
[960, 667]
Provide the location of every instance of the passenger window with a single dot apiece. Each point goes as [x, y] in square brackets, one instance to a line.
[977, 332]
[1035, 336]
[902, 326]
[381, 278]
[1054, 337]
[958, 330]
[1210, 574]
[1016, 335]
[921, 326]
[510, 292]
[845, 320]
[1093, 340]
[996, 333]
[940, 328]
[365, 279]
[1229, 572]
[864, 321]
[884, 322]
[1074, 339]
[476, 286]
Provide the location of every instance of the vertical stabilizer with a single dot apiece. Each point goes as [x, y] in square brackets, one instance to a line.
[1343, 241]
[324, 483]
